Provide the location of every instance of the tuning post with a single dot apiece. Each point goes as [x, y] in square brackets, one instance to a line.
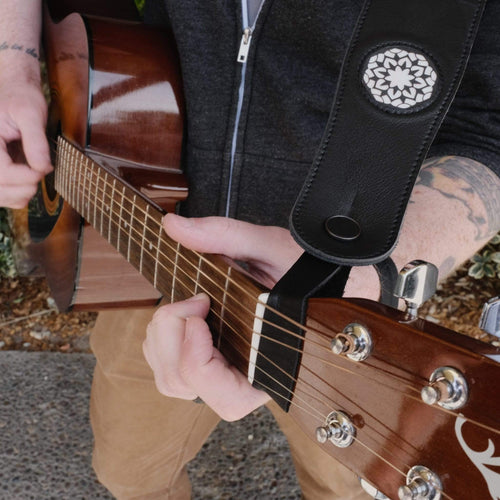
[354, 341]
[338, 429]
[416, 283]
[447, 387]
[421, 484]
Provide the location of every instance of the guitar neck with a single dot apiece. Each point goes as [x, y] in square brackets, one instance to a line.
[133, 226]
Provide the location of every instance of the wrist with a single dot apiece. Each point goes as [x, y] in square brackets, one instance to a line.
[363, 282]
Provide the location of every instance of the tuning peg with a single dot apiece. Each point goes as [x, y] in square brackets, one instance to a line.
[416, 283]
[490, 317]
[421, 484]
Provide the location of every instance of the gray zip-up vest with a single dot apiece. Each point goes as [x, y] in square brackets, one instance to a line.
[253, 132]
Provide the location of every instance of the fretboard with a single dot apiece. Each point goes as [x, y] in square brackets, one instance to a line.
[133, 226]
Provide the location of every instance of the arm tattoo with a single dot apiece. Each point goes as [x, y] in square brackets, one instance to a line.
[469, 180]
[31, 51]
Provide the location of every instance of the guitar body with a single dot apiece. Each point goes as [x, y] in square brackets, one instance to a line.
[116, 94]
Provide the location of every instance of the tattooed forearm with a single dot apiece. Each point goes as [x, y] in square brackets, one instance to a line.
[30, 51]
[470, 184]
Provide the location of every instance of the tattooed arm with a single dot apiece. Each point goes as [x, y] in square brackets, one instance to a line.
[23, 110]
[454, 210]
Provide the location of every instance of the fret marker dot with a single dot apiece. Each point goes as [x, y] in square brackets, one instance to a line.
[150, 246]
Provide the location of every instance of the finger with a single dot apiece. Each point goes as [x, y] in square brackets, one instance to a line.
[220, 385]
[164, 340]
[31, 125]
[16, 174]
[162, 351]
[236, 239]
[16, 196]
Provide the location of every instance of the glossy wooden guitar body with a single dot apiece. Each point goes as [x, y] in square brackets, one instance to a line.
[116, 93]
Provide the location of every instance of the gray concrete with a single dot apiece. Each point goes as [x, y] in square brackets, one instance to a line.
[46, 442]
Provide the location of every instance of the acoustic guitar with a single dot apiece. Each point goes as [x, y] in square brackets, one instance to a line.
[416, 417]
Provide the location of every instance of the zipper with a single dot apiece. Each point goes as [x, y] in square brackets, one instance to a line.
[245, 45]
[246, 39]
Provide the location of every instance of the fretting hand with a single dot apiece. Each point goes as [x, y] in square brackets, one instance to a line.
[179, 345]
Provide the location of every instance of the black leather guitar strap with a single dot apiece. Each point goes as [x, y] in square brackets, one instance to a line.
[400, 74]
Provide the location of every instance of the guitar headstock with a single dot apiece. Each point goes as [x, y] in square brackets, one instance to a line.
[401, 401]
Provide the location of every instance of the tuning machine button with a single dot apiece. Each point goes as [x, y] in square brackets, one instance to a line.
[355, 342]
[447, 387]
[421, 484]
[490, 317]
[338, 429]
[416, 283]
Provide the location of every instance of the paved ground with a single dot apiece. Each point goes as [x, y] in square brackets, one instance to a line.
[45, 439]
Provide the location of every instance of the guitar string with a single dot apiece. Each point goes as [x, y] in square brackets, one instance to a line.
[376, 422]
[399, 379]
[477, 423]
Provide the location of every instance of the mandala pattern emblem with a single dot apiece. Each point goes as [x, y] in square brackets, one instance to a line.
[400, 80]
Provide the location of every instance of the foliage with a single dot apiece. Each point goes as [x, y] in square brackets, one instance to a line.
[7, 267]
[140, 5]
[486, 264]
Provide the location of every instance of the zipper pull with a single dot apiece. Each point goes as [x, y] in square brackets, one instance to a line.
[245, 45]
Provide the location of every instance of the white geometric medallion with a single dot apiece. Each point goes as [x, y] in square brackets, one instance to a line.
[400, 79]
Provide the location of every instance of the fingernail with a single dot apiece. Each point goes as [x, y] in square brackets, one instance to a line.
[199, 296]
[180, 220]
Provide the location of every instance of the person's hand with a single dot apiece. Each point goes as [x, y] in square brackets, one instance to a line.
[178, 346]
[23, 115]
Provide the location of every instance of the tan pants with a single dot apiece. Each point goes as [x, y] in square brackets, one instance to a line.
[143, 440]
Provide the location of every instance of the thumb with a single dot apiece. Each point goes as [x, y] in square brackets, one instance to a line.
[236, 239]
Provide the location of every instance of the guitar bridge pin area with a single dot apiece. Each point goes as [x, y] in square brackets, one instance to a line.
[338, 429]
[447, 387]
[354, 341]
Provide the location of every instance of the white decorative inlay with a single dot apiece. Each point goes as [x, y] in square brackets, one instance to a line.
[483, 460]
[399, 78]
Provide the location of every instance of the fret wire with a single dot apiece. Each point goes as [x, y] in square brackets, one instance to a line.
[120, 218]
[131, 223]
[78, 173]
[72, 186]
[102, 203]
[144, 227]
[95, 203]
[174, 274]
[198, 270]
[110, 208]
[160, 232]
[223, 305]
[85, 182]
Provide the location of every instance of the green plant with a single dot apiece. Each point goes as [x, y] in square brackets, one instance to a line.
[140, 5]
[7, 267]
[487, 262]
